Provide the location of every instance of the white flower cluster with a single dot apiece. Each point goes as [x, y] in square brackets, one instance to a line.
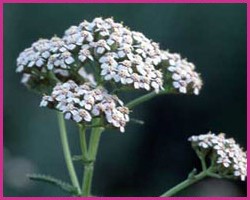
[230, 159]
[123, 56]
[183, 73]
[44, 56]
[83, 102]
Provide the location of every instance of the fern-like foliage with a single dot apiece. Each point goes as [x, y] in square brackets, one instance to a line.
[54, 181]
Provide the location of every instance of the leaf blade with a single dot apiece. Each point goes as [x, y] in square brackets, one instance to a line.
[54, 181]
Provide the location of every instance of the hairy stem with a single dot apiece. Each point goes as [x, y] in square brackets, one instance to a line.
[185, 184]
[83, 143]
[87, 176]
[95, 139]
[144, 98]
[203, 163]
[87, 179]
[89, 163]
[206, 172]
[66, 152]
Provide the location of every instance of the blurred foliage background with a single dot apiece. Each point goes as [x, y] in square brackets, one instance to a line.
[149, 159]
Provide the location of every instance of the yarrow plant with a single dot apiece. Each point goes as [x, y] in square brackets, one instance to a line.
[220, 158]
[227, 159]
[82, 74]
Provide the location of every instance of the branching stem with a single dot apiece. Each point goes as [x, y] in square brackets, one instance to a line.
[185, 184]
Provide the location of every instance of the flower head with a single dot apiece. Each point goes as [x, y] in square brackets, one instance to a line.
[42, 58]
[122, 54]
[81, 103]
[119, 55]
[227, 157]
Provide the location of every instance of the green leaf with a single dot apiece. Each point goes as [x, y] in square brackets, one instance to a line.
[49, 179]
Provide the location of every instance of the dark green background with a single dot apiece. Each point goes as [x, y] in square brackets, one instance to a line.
[149, 159]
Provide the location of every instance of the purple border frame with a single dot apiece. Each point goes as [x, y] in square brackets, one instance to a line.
[2, 2]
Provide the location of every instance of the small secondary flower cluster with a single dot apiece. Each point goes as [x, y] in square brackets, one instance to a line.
[82, 103]
[229, 159]
[123, 56]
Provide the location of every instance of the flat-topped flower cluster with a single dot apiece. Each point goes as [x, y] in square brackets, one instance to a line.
[122, 56]
[227, 157]
[81, 103]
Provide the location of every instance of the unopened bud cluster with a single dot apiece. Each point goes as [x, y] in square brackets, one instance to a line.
[82, 103]
[123, 56]
[226, 156]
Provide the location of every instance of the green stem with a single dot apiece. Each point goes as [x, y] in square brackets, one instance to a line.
[87, 179]
[203, 163]
[92, 151]
[53, 77]
[95, 138]
[66, 151]
[144, 98]
[83, 143]
[88, 171]
[185, 184]
[202, 158]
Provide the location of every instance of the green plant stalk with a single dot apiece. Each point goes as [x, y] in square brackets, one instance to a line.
[87, 176]
[203, 163]
[83, 143]
[92, 151]
[144, 98]
[185, 184]
[202, 159]
[66, 152]
[206, 172]
[95, 138]
[87, 179]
